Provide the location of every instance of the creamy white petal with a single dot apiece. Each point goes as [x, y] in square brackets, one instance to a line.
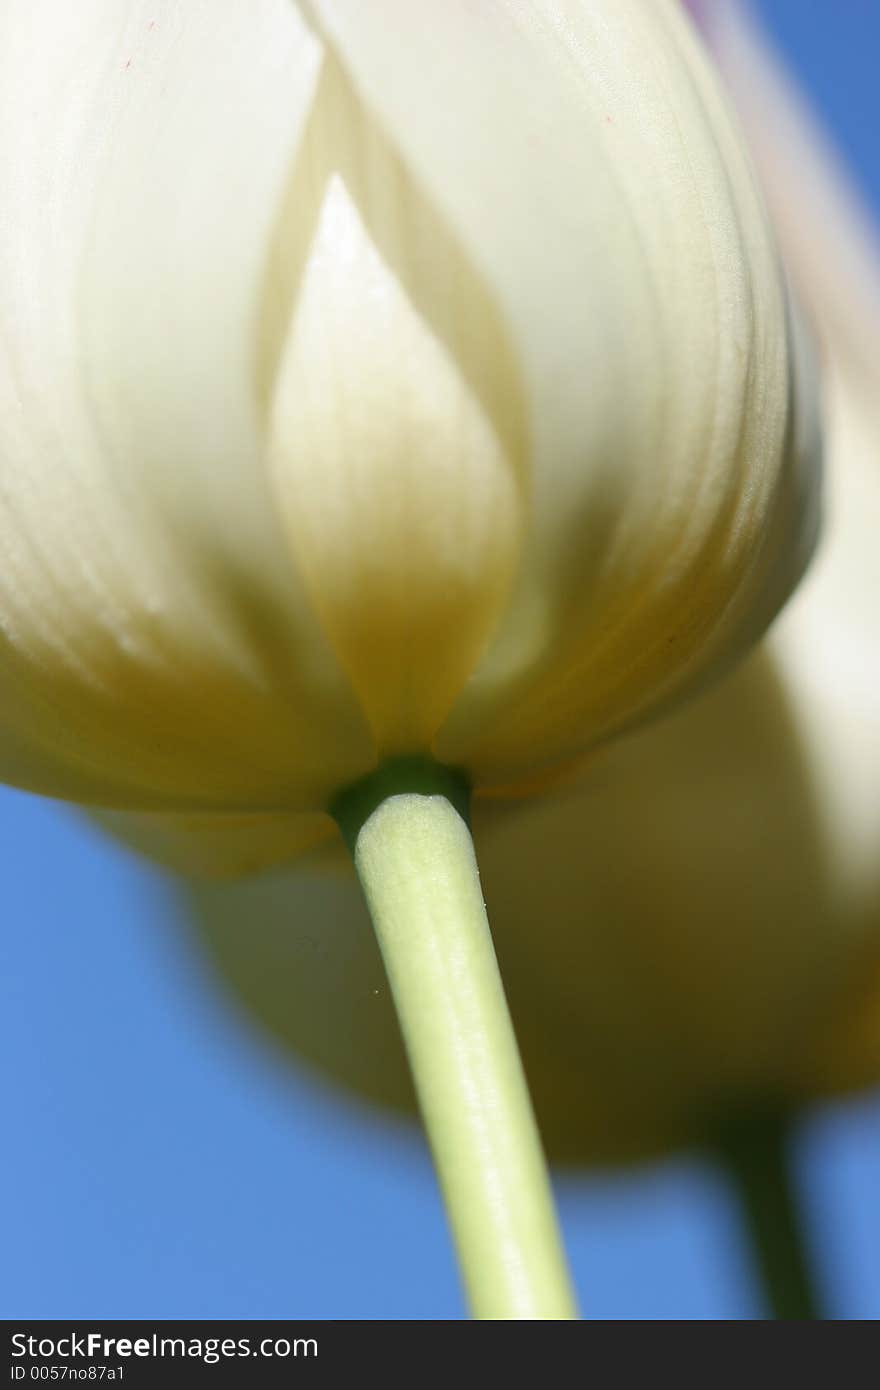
[396, 432]
[830, 243]
[158, 648]
[218, 845]
[584, 159]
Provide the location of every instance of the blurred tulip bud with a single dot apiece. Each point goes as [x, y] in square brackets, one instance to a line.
[696, 924]
[373, 378]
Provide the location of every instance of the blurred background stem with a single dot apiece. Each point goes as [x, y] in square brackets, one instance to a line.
[756, 1151]
[407, 828]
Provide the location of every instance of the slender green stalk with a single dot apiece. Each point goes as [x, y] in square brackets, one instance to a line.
[407, 827]
[756, 1152]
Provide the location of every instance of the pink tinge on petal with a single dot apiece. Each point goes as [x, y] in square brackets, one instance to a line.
[698, 10]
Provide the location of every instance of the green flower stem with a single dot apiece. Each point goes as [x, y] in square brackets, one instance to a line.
[407, 828]
[756, 1154]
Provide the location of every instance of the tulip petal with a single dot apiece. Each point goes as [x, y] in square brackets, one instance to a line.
[584, 160]
[396, 440]
[217, 846]
[831, 245]
[158, 646]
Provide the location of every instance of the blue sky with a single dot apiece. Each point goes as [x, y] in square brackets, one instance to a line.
[160, 1161]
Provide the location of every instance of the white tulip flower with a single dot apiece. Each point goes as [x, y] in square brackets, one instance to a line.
[375, 378]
